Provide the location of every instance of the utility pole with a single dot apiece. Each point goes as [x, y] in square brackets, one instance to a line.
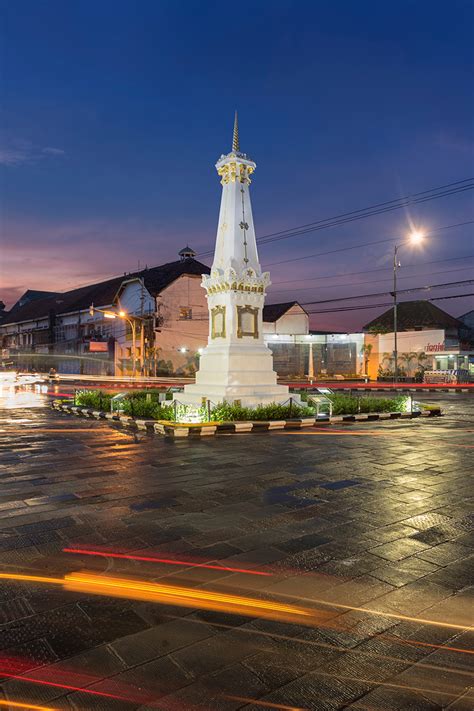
[142, 347]
[414, 238]
[395, 325]
[310, 363]
[142, 327]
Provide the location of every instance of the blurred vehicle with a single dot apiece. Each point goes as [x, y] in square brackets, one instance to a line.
[7, 376]
[28, 378]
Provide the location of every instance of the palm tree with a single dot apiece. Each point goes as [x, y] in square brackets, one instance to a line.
[421, 365]
[422, 358]
[407, 358]
[388, 358]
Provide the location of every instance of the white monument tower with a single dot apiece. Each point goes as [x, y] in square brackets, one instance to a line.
[236, 365]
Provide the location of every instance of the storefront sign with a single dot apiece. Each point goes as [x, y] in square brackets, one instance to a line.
[98, 347]
[435, 347]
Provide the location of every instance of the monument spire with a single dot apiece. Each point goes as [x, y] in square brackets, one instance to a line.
[237, 364]
[235, 138]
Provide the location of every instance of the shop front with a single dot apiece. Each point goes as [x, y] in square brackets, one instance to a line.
[454, 367]
[431, 356]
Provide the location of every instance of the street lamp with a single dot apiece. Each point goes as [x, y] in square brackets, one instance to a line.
[122, 315]
[415, 237]
[310, 375]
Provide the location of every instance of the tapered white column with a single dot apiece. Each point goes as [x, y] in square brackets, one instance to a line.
[236, 364]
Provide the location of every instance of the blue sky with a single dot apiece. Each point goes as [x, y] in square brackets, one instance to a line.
[114, 113]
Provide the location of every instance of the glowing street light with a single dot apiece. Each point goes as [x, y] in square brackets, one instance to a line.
[123, 315]
[415, 238]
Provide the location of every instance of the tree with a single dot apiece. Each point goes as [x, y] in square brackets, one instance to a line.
[389, 359]
[366, 350]
[422, 358]
[420, 366]
[407, 359]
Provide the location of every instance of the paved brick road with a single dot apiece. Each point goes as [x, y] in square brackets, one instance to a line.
[361, 516]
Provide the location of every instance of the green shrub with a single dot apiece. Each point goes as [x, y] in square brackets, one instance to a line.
[351, 405]
[141, 404]
[225, 412]
[165, 412]
[146, 406]
[138, 407]
[94, 399]
[145, 395]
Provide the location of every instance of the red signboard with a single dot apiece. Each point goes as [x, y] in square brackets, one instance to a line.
[98, 347]
[435, 347]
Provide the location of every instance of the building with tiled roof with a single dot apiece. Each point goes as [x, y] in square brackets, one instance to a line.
[414, 316]
[429, 340]
[285, 318]
[57, 328]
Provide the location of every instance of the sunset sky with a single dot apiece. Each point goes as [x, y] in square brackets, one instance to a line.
[114, 113]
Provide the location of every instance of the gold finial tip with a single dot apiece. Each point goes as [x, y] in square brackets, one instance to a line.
[235, 137]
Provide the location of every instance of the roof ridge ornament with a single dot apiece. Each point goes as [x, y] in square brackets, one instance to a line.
[235, 136]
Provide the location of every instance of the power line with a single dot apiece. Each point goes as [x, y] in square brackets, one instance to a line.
[371, 271]
[409, 198]
[337, 223]
[365, 244]
[375, 306]
[446, 285]
[373, 281]
[379, 208]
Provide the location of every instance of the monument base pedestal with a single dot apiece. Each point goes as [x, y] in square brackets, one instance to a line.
[247, 397]
[241, 372]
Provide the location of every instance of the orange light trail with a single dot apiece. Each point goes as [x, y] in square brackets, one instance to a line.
[31, 578]
[415, 643]
[190, 597]
[167, 561]
[325, 645]
[31, 429]
[392, 685]
[19, 705]
[183, 597]
[379, 613]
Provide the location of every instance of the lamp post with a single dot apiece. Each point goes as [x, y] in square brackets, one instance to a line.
[131, 321]
[415, 237]
[310, 375]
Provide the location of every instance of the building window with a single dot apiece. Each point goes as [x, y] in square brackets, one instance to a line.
[185, 313]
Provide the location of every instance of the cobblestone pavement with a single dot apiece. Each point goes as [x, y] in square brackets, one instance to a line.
[367, 524]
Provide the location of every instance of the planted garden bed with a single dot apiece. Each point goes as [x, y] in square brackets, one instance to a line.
[147, 411]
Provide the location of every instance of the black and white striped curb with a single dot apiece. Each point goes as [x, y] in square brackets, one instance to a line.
[406, 389]
[170, 429]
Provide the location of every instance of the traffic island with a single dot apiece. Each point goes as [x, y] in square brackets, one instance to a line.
[182, 429]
